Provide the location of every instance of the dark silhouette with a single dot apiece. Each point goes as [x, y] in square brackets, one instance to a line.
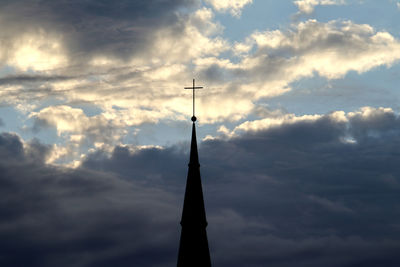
[194, 87]
[193, 247]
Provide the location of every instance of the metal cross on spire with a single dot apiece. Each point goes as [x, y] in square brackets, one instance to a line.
[194, 88]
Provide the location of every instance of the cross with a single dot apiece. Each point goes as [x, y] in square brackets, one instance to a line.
[193, 88]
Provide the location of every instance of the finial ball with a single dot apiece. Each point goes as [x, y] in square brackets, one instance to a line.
[194, 118]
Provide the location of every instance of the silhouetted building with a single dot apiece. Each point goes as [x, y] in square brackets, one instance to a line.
[193, 247]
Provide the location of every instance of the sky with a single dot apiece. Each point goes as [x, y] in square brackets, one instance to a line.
[298, 130]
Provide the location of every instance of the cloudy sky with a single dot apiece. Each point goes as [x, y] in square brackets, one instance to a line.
[298, 129]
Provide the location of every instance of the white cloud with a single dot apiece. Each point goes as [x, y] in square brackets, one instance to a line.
[73, 124]
[331, 50]
[57, 153]
[232, 6]
[39, 51]
[79, 132]
[375, 118]
[263, 124]
[198, 36]
[148, 87]
[307, 6]
[137, 87]
[367, 113]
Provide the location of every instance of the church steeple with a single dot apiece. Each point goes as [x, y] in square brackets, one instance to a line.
[193, 247]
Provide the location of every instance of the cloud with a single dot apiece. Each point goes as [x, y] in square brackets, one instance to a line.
[26, 78]
[294, 192]
[275, 59]
[309, 162]
[129, 95]
[143, 83]
[73, 35]
[273, 122]
[55, 216]
[79, 130]
[271, 61]
[74, 121]
[233, 6]
[307, 6]
[134, 83]
[39, 51]
[85, 29]
[136, 72]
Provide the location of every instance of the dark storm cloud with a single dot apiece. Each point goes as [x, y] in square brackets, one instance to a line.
[55, 217]
[298, 194]
[87, 28]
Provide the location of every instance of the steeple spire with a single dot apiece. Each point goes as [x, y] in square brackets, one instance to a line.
[193, 247]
